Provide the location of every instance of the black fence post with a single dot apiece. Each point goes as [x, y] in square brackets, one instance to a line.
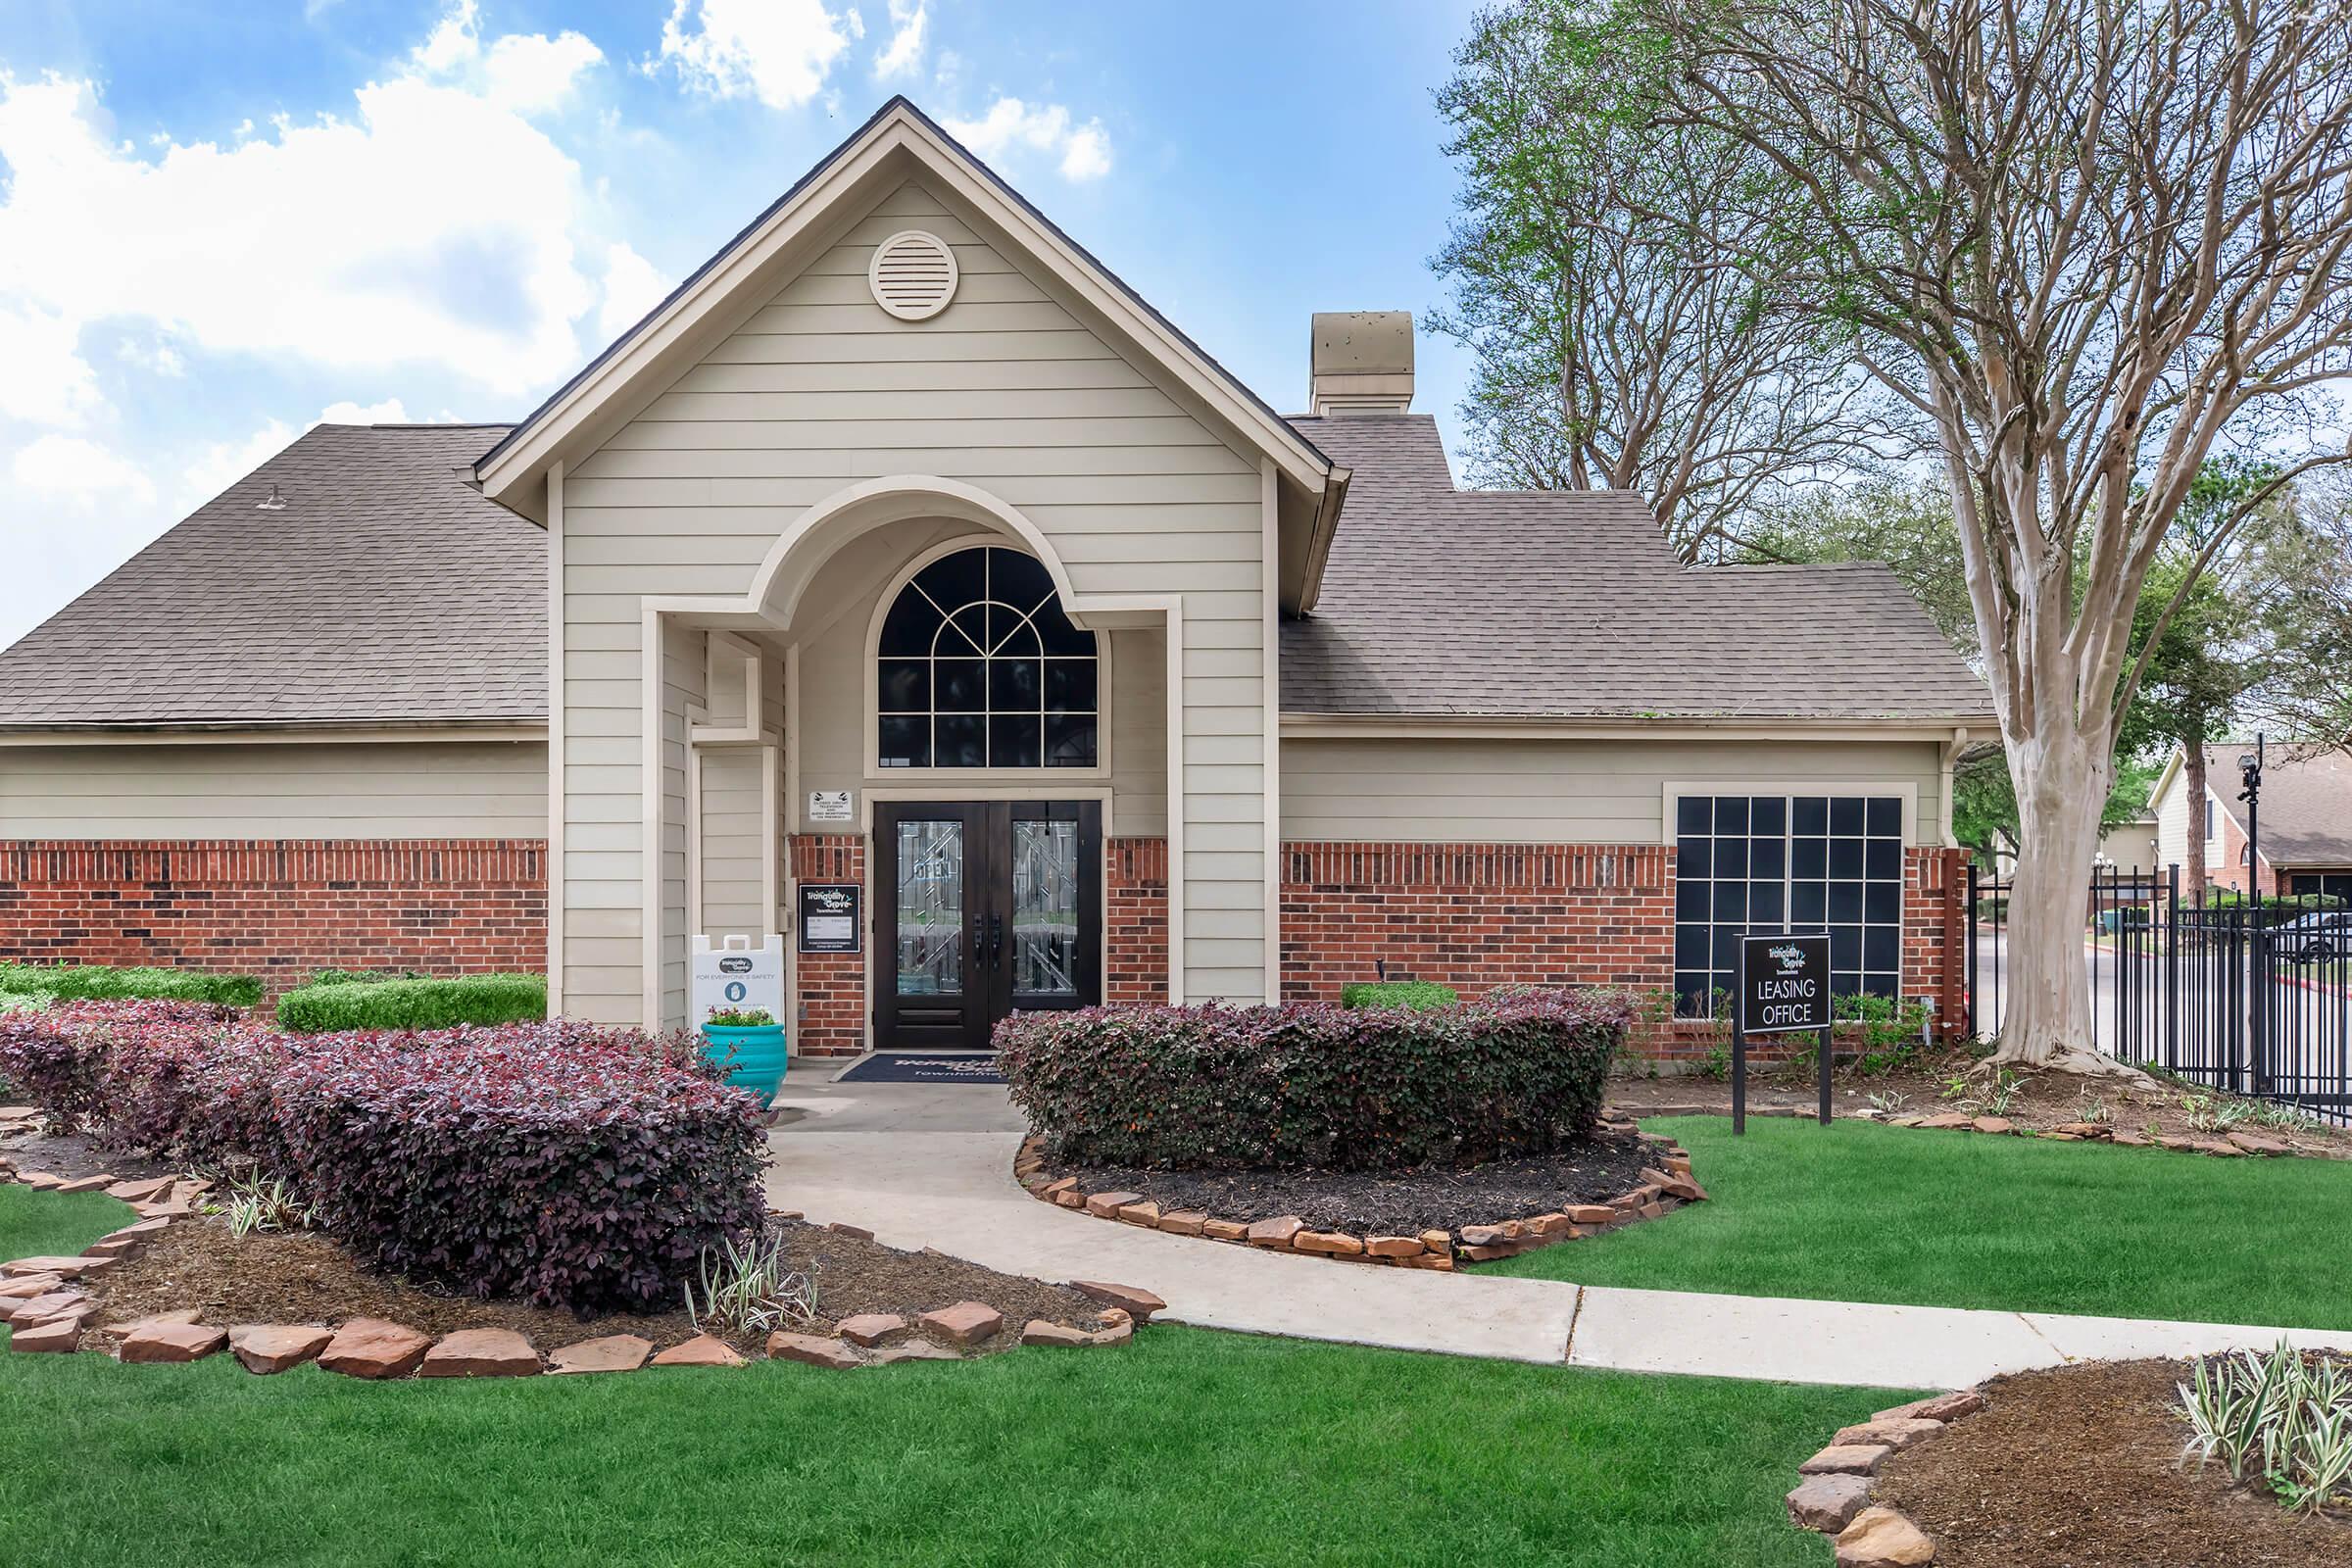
[1973, 993]
[2172, 967]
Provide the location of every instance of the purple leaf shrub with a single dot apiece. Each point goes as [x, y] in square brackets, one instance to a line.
[1518, 1073]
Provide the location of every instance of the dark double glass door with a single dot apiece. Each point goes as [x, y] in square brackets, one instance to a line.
[984, 908]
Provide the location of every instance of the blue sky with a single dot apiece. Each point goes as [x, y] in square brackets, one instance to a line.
[221, 224]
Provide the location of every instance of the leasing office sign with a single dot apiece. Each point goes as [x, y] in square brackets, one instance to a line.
[1784, 984]
[1784, 989]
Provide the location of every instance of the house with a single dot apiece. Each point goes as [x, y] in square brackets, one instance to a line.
[905, 557]
[2306, 822]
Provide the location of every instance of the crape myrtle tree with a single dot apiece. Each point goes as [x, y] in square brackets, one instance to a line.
[2090, 243]
[1619, 281]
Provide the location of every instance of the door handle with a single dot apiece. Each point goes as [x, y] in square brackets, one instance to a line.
[996, 937]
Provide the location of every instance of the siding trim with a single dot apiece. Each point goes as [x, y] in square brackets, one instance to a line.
[555, 740]
[1270, 672]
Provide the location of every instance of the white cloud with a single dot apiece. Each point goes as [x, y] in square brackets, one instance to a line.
[778, 51]
[1086, 154]
[224, 463]
[338, 242]
[79, 471]
[158, 358]
[388, 412]
[902, 56]
[634, 287]
[528, 72]
[1012, 126]
[43, 377]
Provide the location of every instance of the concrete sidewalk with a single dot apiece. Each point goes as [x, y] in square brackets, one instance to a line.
[931, 1165]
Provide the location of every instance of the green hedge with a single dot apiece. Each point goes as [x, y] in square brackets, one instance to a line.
[98, 982]
[473, 999]
[1314, 1087]
[1419, 994]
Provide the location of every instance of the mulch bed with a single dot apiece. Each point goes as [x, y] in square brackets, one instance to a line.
[305, 1278]
[75, 1154]
[1591, 1170]
[2079, 1467]
[2044, 1099]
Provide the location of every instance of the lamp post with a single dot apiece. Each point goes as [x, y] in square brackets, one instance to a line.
[2249, 770]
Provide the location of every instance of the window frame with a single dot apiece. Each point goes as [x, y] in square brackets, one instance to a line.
[1907, 839]
[872, 683]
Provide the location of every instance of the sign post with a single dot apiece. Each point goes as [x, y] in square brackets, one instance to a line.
[1784, 989]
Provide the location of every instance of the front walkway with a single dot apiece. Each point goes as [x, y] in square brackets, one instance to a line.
[931, 1165]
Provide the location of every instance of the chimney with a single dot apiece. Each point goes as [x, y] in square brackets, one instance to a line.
[1363, 363]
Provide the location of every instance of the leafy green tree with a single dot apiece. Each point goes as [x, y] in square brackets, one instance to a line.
[1616, 280]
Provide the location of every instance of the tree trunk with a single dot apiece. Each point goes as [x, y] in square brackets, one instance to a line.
[2192, 778]
[2062, 782]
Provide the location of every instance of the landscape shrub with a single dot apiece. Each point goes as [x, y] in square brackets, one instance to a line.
[98, 982]
[577, 1166]
[62, 1056]
[1315, 1086]
[414, 1003]
[1422, 994]
[521, 1162]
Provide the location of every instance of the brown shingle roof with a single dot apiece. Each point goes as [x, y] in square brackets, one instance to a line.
[2306, 803]
[1442, 601]
[385, 589]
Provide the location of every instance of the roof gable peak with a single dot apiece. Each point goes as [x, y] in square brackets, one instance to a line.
[898, 142]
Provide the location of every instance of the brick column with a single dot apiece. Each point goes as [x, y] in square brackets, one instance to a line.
[1936, 930]
[829, 1006]
[1134, 918]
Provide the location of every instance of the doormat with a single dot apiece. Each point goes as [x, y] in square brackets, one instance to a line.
[896, 1069]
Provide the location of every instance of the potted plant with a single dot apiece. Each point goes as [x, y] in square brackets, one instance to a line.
[750, 1044]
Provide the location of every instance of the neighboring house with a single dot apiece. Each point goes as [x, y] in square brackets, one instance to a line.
[2306, 820]
[2130, 848]
[904, 549]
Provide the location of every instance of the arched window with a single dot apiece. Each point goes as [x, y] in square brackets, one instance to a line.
[978, 667]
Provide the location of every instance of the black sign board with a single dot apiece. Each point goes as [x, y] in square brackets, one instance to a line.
[1784, 988]
[1784, 984]
[829, 919]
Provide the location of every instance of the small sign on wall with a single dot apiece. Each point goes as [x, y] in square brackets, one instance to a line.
[831, 806]
[829, 917]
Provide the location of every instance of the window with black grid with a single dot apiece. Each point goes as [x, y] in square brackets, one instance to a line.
[1755, 863]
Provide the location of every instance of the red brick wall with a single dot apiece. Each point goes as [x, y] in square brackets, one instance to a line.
[1477, 915]
[277, 908]
[830, 1003]
[1135, 911]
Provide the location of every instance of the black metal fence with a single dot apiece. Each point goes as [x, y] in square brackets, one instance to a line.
[2254, 997]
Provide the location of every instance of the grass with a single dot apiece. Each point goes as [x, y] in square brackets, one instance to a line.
[1186, 1446]
[1859, 1212]
[55, 1224]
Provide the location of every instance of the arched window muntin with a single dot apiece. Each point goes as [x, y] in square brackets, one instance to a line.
[978, 668]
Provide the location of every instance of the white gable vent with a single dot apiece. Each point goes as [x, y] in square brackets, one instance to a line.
[913, 275]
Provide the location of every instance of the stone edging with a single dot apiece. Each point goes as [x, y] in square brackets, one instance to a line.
[1662, 1189]
[46, 1312]
[1834, 1498]
[2229, 1146]
[2225, 1145]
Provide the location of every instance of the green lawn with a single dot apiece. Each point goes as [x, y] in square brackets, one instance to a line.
[1184, 1448]
[38, 1224]
[1857, 1213]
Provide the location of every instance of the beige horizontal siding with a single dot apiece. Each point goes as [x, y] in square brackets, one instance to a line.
[295, 789]
[1441, 790]
[1008, 390]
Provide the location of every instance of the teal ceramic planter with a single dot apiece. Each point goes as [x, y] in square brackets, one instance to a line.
[754, 1058]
